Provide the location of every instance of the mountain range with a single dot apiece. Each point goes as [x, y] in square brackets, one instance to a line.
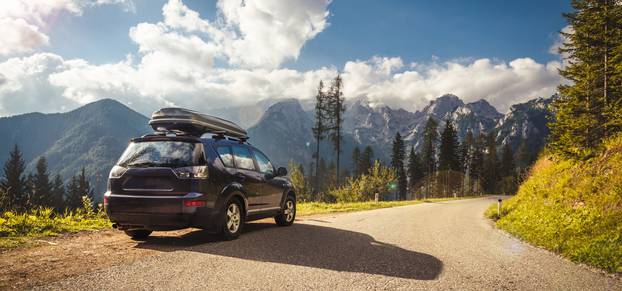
[94, 136]
[376, 126]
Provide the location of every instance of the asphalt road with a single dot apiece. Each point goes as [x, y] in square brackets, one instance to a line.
[443, 245]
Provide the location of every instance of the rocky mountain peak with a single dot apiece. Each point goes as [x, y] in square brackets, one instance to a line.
[286, 105]
[483, 108]
[441, 106]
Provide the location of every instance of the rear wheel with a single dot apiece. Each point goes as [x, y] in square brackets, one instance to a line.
[233, 220]
[138, 234]
[288, 214]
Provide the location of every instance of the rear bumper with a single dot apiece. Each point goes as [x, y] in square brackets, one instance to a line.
[159, 212]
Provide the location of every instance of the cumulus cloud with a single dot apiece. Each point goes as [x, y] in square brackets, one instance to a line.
[236, 59]
[22, 21]
[146, 87]
[19, 36]
[258, 34]
[502, 84]
[25, 86]
[265, 33]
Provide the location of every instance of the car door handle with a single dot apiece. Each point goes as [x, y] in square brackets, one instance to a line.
[240, 176]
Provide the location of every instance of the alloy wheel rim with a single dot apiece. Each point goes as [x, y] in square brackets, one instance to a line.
[233, 218]
[289, 210]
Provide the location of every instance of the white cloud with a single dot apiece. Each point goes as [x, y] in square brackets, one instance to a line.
[22, 21]
[25, 86]
[19, 37]
[265, 33]
[188, 61]
[259, 34]
[502, 84]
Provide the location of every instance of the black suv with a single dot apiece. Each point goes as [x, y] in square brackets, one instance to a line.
[167, 181]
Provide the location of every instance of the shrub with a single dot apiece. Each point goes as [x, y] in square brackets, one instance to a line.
[364, 188]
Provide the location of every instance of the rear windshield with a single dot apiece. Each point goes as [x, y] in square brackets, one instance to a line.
[162, 154]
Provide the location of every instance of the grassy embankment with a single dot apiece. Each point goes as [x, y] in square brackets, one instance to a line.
[17, 229]
[572, 208]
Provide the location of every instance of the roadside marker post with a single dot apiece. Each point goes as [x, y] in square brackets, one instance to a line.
[499, 207]
[376, 197]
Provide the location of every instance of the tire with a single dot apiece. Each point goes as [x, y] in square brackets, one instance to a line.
[138, 234]
[232, 219]
[288, 214]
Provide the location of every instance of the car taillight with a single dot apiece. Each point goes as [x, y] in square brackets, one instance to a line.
[194, 172]
[105, 200]
[117, 171]
[194, 203]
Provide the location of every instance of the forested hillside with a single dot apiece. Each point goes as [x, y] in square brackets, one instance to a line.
[91, 137]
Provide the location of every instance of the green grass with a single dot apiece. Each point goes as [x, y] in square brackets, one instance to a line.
[23, 228]
[311, 208]
[572, 208]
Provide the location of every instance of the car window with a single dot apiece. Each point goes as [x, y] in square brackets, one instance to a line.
[225, 156]
[263, 162]
[162, 154]
[242, 158]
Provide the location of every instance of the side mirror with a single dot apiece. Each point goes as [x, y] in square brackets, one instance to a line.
[281, 171]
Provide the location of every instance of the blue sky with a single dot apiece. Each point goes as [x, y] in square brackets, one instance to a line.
[413, 30]
[216, 53]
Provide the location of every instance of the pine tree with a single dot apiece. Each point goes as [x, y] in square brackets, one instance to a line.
[14, 182]
[508, 171]
[397, 163]
[356, 162]
[41, 186]
[524, 158]
[415, 170]
[367, 160]
[331, 177]
[466, 150]
[448, 158]
[490, 172]
[74, 194]
[85, 186]
[78, 187]
[477, 162]
[58, 193]
[508, 167]
[428, 152]
[589, 108]
[336, 109]
[319, 129]
[29, 186]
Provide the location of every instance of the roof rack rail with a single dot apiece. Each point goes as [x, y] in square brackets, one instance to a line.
[190, 122]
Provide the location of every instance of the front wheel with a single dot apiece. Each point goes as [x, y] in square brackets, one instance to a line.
[288, 214]
[233, 220]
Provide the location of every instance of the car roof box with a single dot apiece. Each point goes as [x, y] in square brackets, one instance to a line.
[192, 122]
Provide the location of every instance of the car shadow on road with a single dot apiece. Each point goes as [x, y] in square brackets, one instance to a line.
[311, 246]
